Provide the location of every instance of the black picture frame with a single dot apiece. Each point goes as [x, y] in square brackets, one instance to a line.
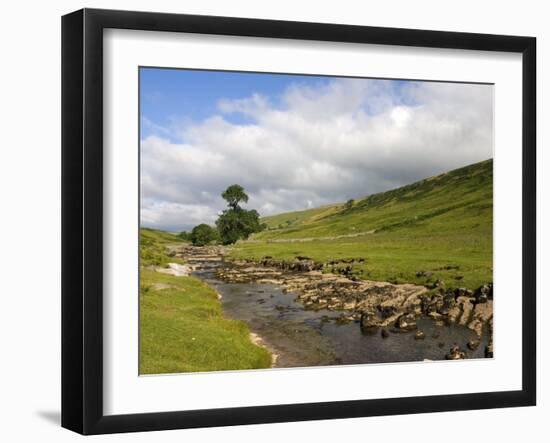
[82, 219]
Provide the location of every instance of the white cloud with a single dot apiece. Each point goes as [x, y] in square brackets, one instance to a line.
[249, 105]
[343, 139]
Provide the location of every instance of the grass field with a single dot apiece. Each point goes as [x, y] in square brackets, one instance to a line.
[182, 327]
[442, 225]
[152, 247]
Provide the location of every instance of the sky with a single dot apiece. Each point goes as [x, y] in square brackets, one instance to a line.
[296, 142]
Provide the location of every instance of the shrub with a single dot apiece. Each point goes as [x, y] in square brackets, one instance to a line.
[203, 234]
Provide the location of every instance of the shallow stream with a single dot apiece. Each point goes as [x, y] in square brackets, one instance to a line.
[304, 337]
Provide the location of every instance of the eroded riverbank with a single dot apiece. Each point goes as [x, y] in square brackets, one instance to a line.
[310, 318]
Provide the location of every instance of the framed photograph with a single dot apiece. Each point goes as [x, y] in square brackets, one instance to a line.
[269, 221]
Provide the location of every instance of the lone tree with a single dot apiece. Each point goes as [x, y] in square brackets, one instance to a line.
[237, 223]
[235, 194]
[202, 235]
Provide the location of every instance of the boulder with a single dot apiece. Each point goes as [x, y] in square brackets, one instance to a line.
[424, 274]
[460, 292]
[483, 311]
[484, 293]
[435, 315]
[369, 320]
[406, 322]
[386, 310]
[384, 333]
[467, 308]
[454, 313]
[473, 344]
[449, 302]
[455, 354]
[419, 335]
[476, 325]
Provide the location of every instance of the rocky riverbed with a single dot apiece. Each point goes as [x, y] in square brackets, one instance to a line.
[395, 322]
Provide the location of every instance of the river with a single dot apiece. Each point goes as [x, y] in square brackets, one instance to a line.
[306, 337]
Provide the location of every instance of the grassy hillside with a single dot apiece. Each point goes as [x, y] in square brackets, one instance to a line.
[298, 218]
[441, 225]
[152, 246]
[182, 327]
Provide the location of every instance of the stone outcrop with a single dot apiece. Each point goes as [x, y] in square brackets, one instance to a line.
[374, 305]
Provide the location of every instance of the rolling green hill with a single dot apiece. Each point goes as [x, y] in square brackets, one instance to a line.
[441, 226]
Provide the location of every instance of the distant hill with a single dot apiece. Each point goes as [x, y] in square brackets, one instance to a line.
[460, 199]
[437, 228]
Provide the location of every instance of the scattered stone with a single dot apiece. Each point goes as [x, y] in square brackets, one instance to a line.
[369, 320]
[435, 315]
[438, 284]
[459, 292]
[406, 322]
[448, 303]
[448, 268]
[176, 270]
[350, 306]
[484, 293]
[270, 281]
[484, 311]
[419, 335]
[473, 344]
[424, 274]
[455, 354]
[477, 326]
[454, 313]
[467, 309]
[386, 310]
[336, 286]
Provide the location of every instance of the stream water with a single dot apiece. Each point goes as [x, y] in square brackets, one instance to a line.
[302, 337]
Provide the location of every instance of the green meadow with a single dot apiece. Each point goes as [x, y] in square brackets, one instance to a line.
[182, 327]
[437, 228]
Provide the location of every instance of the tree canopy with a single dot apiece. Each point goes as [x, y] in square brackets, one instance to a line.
[236, 223]
[235, 194]
[202, 235]
[184, 235]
